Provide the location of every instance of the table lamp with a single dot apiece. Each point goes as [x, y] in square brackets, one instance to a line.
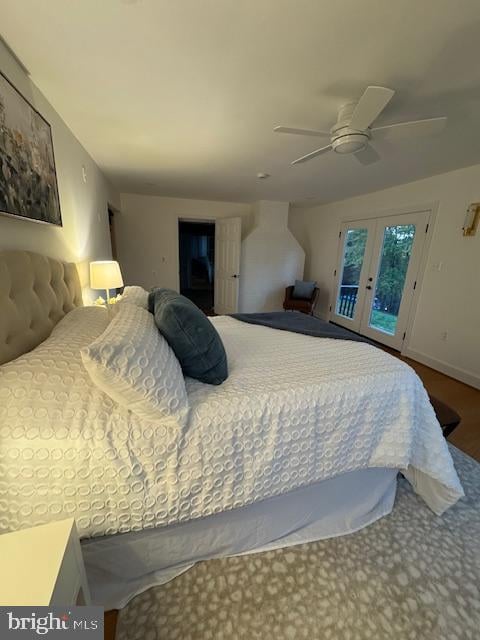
[105, 274]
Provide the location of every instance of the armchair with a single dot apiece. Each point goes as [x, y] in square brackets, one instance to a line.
[305, 305]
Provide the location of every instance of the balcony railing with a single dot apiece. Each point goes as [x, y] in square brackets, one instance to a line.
[347, 300]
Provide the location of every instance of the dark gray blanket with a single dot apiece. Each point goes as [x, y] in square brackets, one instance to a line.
[299, 323]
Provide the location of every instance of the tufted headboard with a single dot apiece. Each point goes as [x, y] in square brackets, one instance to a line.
[35, 293]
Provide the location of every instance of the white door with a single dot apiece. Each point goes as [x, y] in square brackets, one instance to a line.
[228, 240]
[355, 254]
[377, 274]
[399, 243]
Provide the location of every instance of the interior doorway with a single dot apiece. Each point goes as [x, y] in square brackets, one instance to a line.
[111, 227]
[197, 262]
[376, 276]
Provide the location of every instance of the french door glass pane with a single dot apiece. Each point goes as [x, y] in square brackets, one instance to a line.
[394, 259]
[353, 254]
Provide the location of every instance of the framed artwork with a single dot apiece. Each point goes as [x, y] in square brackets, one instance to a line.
[28, 179]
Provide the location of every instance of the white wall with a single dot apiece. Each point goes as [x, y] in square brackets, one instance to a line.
[271, 259]
[449, 299]
[147, 234]
[84, 235]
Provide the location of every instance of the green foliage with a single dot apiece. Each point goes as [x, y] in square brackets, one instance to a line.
[397, 245]
[354, 251]
[356, 241]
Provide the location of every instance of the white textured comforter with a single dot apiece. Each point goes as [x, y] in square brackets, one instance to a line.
[294, 410]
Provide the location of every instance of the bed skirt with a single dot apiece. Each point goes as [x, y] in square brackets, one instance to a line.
[123, 565]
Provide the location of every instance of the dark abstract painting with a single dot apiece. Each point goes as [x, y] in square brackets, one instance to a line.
[28, 180]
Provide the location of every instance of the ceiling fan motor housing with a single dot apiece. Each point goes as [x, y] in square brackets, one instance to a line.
[344, 138]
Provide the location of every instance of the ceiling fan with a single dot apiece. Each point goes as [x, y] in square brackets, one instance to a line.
[353, 131]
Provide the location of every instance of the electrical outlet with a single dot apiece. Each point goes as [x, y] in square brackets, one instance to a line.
[444, 336]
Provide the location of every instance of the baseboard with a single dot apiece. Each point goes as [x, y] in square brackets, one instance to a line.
[454, 372]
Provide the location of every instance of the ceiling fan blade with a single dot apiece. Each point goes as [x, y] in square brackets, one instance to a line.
[371, 104]
[414, 128]
[302, 132]
[313, 154]
[367, 156]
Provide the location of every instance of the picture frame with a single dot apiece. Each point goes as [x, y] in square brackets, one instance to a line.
[28, 176]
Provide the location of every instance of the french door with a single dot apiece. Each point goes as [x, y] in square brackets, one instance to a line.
[376, 275]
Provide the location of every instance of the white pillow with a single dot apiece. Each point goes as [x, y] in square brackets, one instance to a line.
[133, 364]
[135, 295]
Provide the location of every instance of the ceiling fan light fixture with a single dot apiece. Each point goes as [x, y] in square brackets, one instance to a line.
[350, 143]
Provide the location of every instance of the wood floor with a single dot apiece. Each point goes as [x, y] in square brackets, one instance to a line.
[464, 399]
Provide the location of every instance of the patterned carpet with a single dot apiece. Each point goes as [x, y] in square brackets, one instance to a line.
[411, 576]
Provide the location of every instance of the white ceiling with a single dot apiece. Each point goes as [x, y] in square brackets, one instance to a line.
[179, 97]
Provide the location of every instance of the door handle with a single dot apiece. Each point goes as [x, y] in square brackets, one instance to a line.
[235, 275]
[368, 286]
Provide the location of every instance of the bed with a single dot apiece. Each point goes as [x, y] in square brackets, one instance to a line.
[303, 441]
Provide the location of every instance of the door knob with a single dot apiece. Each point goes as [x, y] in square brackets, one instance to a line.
[235, 275]
[368, 286]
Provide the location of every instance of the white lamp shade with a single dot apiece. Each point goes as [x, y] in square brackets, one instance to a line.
[105, 274]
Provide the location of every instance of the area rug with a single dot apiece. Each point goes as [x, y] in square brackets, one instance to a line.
[411, 575]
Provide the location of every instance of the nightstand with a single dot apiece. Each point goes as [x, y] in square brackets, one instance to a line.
[43, 566]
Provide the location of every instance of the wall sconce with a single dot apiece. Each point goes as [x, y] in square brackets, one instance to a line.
[471, 219]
